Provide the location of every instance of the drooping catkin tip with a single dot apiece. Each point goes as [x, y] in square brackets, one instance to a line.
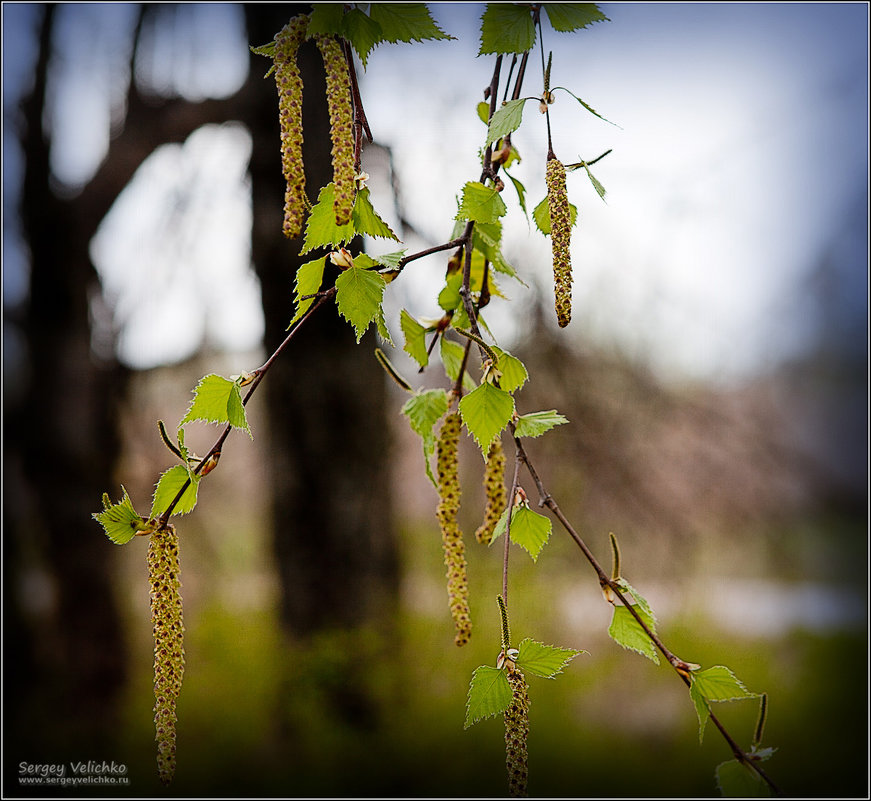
[560, 235]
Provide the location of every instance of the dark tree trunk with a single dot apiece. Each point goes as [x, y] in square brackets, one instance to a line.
[64, 651]
[334, 540]
[65, 660]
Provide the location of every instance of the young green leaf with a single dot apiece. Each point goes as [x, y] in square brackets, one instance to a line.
[309, 277]
[406, 22]
[326, 19]
[267, 49]
[737, 780]
[424, 410]
[359, 294]
[535, 424]
[702, 710]
[566, 17]
[506, 119]
[486, 240]
[489, 695]
[636, 596]
[217, 400]
[514, 374]
[390, 260]
[119, 520]
[586, 106]
[600, 190]
[381, 327]
[366, 220]
[321, 229]
[506, 28]
[449, 298]
[718, 683]
[486, 411]
[483, 110]
[544, 660]
[541, 215]
[452, 358]
[521, 193]
[529, 529]
[169, 485]
[626, 631]
[480, 203]
[415, 338]
[362, 32]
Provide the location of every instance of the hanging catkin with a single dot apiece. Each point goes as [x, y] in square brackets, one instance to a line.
[289, 83]
[516, 733]
[168, 630]
[447, 461]
[560, 237]
[494, 491]
[341, 126]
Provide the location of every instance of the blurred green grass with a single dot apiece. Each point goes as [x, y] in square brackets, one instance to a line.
[380, 712]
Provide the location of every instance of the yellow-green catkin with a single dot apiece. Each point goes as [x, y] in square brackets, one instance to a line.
[447, 462]
[516, 734]
[168, 630]
[341, 126]
[560, 237]
[289, 83]
[494, 491]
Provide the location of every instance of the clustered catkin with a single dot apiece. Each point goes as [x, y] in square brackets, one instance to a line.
[168, 630]
[494, 490]
[289, 83]
[560, 236]
[341, 126]
[516, 733]
[447, 462]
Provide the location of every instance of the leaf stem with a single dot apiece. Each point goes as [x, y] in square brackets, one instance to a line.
[545, 77]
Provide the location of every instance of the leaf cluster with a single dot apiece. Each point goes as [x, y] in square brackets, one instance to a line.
[216, 400]
[367, 25]
[490, 691]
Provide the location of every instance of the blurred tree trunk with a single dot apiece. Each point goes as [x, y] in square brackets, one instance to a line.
[65, 656]
[66, 660]
[334, 541]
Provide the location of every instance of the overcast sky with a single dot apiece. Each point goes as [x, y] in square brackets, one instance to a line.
[739, 164]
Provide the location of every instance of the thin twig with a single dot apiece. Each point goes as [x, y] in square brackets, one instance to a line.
[488, 171]
[511, 495]
[259, 373]
[454, 243]
[681, 667]
[361, 124]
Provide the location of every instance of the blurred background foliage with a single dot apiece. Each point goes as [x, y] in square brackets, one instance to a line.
[320, 656]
